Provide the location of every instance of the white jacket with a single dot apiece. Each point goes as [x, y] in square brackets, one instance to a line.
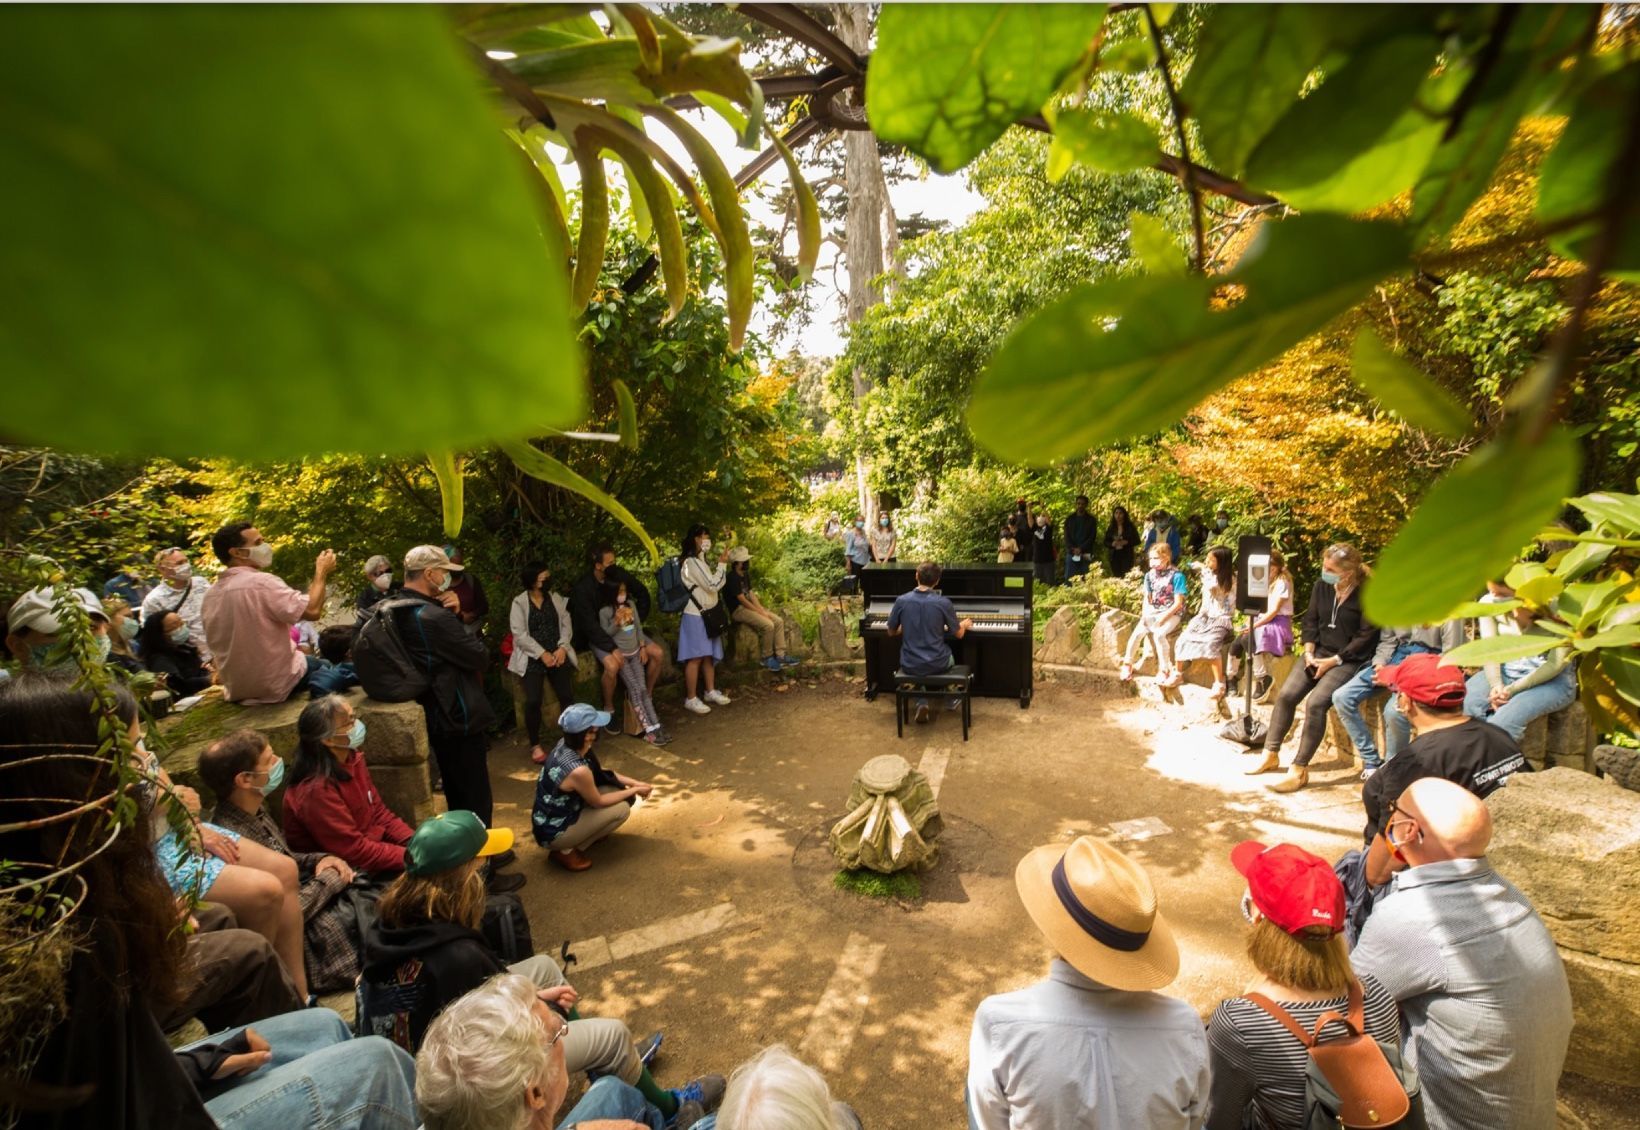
[525, 647]
[704, 583]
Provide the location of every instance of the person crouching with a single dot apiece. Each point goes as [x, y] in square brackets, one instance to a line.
[577, 801]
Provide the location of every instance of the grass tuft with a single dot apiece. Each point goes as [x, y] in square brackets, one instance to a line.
[874, 884]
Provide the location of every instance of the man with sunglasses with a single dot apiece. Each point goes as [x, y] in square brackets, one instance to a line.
[1486, 1012]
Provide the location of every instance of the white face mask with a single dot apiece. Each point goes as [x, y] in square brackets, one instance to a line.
[183, 571]
[383, 581]
[261, 554]
[706, 545]
[444, 582]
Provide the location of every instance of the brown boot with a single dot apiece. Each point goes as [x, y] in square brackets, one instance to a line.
[1297, 777]
[571, 860]
[1271, 763]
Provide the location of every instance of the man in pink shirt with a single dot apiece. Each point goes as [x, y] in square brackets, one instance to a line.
[248, 615]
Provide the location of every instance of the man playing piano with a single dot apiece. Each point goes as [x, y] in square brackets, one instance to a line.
[924, 618]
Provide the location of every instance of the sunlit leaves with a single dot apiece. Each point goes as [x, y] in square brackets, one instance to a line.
[1107, 142]
[216, 203]
[539, 465]
[1155, 247]
[1404, 390]
[1470, 525]
[947, 79]
[1500, 649]
[446, 468]
[1125, 357]
[1577, 175]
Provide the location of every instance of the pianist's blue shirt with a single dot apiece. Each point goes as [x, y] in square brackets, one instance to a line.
[926, 617]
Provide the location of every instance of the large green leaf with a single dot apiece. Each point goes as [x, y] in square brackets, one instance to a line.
[1127, 356]
[1251, 61]
[266, 211]
[538, 464]
[1470, 525]
[1330, 129]
[1154, 246]
[1499, 649]
[1621, 511]
[808, 212]
[1108, 142]
[947, 79]
[1404, 390]
[447, 470]
[1577, 174]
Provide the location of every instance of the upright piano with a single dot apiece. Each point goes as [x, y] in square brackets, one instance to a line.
[997, 649]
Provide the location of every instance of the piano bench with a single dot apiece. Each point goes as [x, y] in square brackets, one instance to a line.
[956, 682]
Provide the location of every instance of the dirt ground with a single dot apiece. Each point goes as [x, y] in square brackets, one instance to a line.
[880, 994]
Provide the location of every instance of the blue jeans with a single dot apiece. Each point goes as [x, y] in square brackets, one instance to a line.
[609, 1098]
[1075, 568]
[1534, 702]
[1348, 698]
[319, 1078]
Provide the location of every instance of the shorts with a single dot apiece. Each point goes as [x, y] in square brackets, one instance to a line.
[190, 870]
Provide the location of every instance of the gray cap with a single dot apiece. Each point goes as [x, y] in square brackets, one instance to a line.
[33, 610]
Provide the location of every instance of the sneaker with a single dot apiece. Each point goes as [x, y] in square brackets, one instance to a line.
[688, 1114]
[707, 1091]
[716, 697]
[1366, 774]
[772, 664]
[696, 706]
[922, 712]
[1125, 674]
[612, 730]
[649, 1047]
[789, 660]
[657, 736]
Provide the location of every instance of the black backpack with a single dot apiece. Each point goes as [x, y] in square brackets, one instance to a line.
[387, 671]
[507, 928]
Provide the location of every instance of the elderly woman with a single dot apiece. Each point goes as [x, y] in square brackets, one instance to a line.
[1337, 640]
[541, 650]
[378, 575]
[774, 1090]
[1295, 907]
[331, 804]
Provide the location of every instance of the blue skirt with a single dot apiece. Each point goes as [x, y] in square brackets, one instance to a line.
[694, 643]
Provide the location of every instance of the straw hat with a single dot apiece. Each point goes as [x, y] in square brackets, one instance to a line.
[1098, 910]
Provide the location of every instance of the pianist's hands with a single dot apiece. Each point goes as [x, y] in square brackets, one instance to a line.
[966, 624]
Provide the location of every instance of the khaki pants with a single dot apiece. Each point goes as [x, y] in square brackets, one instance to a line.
[592, 825]
[771, 633]
[590, 1044]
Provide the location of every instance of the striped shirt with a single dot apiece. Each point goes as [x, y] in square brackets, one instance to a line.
[1259, 1067]
[1484, 1001]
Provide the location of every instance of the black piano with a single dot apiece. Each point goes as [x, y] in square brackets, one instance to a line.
[997, 649]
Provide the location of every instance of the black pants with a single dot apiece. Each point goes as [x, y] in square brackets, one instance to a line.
[1316, 697]
[464, 763]
[536, 675]
[238, 979]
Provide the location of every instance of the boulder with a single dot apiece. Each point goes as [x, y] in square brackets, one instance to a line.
[1109, 638]
[1619, 763]
[796, 645]
[1571, 843]
[833, 636]
[743, 644]
[1062, 639]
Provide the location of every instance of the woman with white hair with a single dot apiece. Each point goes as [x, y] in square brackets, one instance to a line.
[378, 575]
[774, 1090]
[494, 1060]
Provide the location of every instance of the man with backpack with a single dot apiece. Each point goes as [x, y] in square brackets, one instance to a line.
[1484, 1000]
[416, 646]
[585, 601]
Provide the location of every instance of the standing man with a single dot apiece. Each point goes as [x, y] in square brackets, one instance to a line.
[181, 592]
[586, 600]
[248, 616]
[458, 711]
[1081, 538]
[1025, 525]
[923, 618]
[1042, 548]
[474, 605]
[1486, 1013]
[1093, 1046]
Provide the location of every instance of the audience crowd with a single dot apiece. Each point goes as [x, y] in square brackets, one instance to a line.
[242, 915]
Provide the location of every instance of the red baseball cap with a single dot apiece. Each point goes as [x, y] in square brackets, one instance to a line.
[1291, 887]
[1425, 678]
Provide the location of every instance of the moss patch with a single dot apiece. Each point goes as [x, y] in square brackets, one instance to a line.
[874, 884]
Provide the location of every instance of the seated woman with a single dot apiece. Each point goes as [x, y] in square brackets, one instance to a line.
[1512, 694]
[122, 633]
[1295, 905]
[242, 770]
[577, 801]
[167, 653]
[105, 1061]
[331, 804]
[1209, 631]
[619, 618]
[425, 950]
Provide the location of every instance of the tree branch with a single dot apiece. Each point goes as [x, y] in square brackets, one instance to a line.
[1190, 185]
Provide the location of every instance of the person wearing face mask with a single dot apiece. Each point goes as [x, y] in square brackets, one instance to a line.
[1221, 521]
[33, 628]
[168, 651]
[378, 585]
[331, 805]
[1043, 552]
[541, 653]
[885, 542]
[856, 546]
[248, 616]
[699, 650]
[122, 635]
[242, 771]
[182, 591]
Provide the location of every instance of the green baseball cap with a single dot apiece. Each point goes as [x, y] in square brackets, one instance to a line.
[450, 839]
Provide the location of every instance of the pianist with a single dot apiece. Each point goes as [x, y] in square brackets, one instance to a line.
[924, 618]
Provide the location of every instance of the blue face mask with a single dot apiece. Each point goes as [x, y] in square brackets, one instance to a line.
[276, 777]
[129, 628]
[1328, 577]
[40, 655]
[355, 734]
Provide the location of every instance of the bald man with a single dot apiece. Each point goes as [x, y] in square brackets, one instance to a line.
[1485, 1008]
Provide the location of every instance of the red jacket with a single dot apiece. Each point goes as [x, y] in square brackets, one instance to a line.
[346, 819]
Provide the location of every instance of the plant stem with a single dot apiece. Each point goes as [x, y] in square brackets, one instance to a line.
[1189, 170]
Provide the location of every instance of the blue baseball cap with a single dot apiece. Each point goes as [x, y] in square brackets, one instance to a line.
[580, 717]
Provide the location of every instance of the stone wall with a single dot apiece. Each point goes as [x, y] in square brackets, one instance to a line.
[1571, 842]
[395, 746]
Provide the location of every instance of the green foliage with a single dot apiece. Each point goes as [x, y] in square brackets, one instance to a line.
[1404, 390]
[260, 210]
[1579, 173]
[901, 885]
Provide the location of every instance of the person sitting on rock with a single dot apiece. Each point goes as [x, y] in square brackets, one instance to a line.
[744, 608]
[181, 591]
[923, 619]
[619, 618]
[337, 673]
[1394, 646]
[248, 616]
[1484, 1000]
[1209, 632]
[577, 801]
[331, 804]
[168, 651]
[425, 950]
[1511, 695]
[1162, 592]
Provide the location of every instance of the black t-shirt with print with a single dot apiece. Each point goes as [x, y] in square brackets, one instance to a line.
[1477, 755]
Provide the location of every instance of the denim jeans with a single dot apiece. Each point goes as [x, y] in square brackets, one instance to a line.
[1348, 698]
[318, 1078]
[609, 1098]
[1534, 702]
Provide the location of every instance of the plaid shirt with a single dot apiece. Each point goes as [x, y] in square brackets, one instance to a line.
[328, 950]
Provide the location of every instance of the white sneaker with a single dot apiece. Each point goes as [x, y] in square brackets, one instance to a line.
[716, 697]
[696, 706]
